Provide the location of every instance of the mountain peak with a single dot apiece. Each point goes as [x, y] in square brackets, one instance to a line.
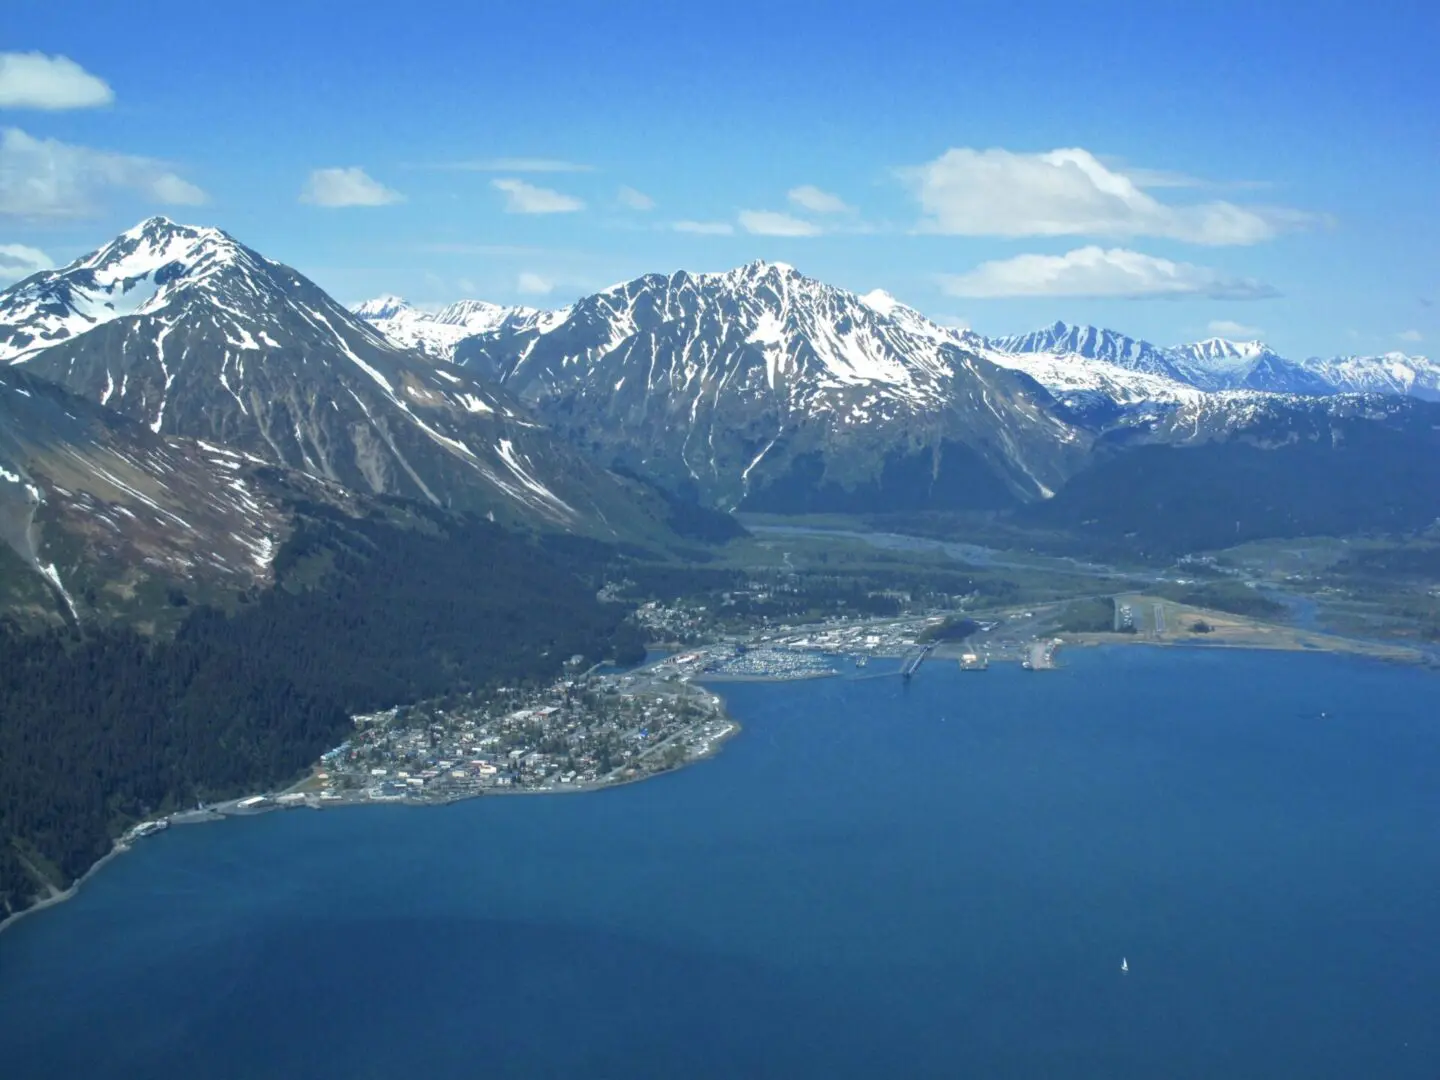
[755, 270]
[763, 266]
[1253, 345]
[382, 307]
[142, 270]
[880, 301]
[158, 243]
[476, 316]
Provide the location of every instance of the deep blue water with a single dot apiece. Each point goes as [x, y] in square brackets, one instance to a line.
[939, 881]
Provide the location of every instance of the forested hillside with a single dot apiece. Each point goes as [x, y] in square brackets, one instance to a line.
[1354, 479]
[103, 728]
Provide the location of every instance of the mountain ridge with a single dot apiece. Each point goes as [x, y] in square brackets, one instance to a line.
[192, 333]
[1211, 364]
[731, 382]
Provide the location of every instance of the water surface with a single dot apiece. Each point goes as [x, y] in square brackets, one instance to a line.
[870, 880]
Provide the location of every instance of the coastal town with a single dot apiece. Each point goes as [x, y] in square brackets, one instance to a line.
[586, 730]
[601, 726]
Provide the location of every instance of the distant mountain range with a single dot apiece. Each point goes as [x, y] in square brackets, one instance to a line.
[437, 332]
[760, 388]
[176, 375]
[1219, 364]
[1066, 359]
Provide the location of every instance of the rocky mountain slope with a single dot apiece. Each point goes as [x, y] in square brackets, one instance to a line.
[102, 518]
[762, 388]
[191, 333]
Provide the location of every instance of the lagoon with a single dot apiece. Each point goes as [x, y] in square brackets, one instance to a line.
[933, 880]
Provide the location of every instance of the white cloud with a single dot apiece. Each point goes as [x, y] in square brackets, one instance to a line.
[174, 191]
[35, 81]
[1411, 336]
[954, 322]
[532, 284]
[1231, 329]
[772, 223]
[18, 261]
[46, 178]
[1071, 193]
[523, 198]
[351, 186]
[704, 228]
[809, 197]
[635, 200]
[1094, 271]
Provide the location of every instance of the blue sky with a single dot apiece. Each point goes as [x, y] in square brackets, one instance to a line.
[1166, 169]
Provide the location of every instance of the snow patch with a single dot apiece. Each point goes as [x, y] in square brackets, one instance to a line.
[506, 449]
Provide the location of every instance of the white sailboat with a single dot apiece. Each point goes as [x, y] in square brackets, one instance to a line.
[1124, 964]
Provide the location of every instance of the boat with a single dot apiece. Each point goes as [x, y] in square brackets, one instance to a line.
[1124, 964]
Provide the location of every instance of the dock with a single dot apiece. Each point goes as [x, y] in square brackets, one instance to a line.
[912, 664]
[1040, 656]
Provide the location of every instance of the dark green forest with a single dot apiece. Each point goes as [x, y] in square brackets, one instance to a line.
[100, 729]
[1166, 500]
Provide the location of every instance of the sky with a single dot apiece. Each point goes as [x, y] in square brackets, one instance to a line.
[1172, 170]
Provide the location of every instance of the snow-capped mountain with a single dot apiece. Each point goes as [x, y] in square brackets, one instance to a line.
[436, 333]
[131, 274]
[762, 387]
[1221, 364]
[1391, 373]
[1090, 343]
[194, 334]
[757, 388]
[1074, 364]
[1218, 364]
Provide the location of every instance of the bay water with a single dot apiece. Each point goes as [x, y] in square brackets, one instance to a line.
[933, 879]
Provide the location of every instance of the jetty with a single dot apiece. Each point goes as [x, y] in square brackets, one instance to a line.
[914, 660]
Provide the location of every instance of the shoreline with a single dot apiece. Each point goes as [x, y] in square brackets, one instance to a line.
[192, 817]
[56, 898]
[809, 676]
[1257, 636]
[1262, 637]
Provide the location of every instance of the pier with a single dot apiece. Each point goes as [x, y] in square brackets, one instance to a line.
[913, 662]
[1041, 656]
